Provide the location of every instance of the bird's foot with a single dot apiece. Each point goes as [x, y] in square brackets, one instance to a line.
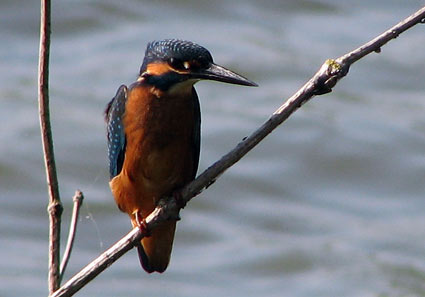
[181, 203]
[141, 223]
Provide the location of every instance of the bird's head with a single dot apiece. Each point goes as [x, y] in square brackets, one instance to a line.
[170, 62]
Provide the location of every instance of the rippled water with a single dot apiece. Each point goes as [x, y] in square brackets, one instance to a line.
[330, 204]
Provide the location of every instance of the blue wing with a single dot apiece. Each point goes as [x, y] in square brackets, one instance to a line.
[115, 129]
[196, 141]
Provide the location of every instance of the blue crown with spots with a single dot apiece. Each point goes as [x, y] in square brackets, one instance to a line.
[183, 50]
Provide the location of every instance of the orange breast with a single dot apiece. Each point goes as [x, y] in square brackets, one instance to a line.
[159, 152]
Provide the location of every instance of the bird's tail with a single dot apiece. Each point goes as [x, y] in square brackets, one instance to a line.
[155, 250]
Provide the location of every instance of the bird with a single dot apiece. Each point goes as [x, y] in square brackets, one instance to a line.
[153, 134]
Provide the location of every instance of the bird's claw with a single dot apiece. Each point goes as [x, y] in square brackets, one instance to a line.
[141, 223]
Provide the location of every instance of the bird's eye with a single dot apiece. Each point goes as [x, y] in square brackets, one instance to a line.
[176, 63]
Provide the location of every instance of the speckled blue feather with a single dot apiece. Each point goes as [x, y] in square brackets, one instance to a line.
[116, 136]
[183, 50]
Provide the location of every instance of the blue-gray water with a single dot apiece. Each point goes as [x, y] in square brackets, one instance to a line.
[331, 204]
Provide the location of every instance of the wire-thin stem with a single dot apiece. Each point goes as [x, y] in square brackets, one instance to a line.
[78, 201]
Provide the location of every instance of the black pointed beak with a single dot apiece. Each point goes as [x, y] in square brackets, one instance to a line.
[219, 73]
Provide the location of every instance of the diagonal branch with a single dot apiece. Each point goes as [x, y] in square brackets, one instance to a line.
[321, 83]
[55, 207]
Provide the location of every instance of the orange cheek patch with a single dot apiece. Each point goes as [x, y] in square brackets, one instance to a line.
[158, 68]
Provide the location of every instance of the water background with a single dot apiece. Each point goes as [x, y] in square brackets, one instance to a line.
[331, 204]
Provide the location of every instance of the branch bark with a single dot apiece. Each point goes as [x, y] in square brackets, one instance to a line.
[321, 83]
[55, 207]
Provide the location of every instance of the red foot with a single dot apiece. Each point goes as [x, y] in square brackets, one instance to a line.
[141, 223]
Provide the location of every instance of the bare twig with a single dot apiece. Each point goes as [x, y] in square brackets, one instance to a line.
[55, 207]
[375, 44]
[98, 265]
[322, 82]
[78, 201]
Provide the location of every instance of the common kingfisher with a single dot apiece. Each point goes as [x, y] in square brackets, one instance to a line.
[153, 130]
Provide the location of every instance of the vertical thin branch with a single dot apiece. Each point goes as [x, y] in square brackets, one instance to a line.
[55, 207]
[78, 201]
